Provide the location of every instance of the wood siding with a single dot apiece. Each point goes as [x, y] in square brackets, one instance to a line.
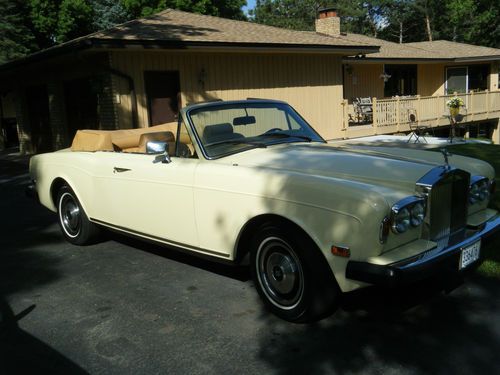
[430, 79]
[312, 84]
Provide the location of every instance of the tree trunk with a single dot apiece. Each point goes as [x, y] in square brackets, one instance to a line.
[400, 32]
[428, 27]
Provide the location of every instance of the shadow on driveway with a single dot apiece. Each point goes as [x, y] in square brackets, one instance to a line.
[417, 330]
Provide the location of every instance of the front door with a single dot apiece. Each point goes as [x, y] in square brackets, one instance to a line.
[82, 105]
[163, 95]
[147, 198]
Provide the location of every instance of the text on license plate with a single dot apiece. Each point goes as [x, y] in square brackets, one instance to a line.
[469, 254]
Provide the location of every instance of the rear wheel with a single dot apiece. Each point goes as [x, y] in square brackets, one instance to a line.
[291, 275]
[74, 223]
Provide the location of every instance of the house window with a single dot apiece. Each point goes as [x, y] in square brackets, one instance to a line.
[462, 79]
[456, 80]
[478, 77]
[402, 80]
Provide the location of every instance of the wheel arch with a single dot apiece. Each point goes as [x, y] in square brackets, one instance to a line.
[56, 185]
[242, 248]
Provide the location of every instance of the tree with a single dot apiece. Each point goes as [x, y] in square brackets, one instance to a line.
[356, 16]
[222, 8]
[16, 40]
[74, 19]
[108, 13]
[43, 17]
[290, 14]
[403, 22]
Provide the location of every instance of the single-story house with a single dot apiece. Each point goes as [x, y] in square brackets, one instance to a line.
[139, 73]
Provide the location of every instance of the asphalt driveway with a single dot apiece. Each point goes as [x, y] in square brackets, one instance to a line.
[126, 307]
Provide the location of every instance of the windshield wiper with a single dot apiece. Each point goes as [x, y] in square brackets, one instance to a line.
[237, 142]
[286, 135]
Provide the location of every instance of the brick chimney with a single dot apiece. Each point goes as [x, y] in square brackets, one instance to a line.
[328, 22]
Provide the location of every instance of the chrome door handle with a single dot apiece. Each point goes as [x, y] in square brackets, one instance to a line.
[120, 170]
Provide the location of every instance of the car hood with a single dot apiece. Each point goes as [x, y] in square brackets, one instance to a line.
[391, 167]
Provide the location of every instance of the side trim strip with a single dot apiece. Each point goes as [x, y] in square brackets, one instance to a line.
[159, 239]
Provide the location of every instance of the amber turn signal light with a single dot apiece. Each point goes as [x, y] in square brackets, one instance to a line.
[339, 251]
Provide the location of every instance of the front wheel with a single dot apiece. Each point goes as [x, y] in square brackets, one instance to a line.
[74, 223]
[292, 276]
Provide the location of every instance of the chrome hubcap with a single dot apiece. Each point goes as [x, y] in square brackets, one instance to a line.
[280, 273]
[70, 215]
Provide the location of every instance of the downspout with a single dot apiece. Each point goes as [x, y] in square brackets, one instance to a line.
[133, 96]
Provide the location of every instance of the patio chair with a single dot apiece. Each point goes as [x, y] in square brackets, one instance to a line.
[363, 109]
[417, 131]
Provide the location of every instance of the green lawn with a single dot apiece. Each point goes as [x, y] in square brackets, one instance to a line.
[491, 154]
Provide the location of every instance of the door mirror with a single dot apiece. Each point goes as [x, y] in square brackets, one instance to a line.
[156, 147]
[161, 148]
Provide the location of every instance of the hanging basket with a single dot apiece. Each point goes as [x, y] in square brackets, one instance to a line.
[454, 111]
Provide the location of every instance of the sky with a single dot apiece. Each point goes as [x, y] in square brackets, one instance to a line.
[250, 5]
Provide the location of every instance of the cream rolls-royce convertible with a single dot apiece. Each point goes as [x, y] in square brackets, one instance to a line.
[250, 182]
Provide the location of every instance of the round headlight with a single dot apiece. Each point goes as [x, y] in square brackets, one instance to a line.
[474, 193]
[479, 191]
[417, 214]
[402, 221]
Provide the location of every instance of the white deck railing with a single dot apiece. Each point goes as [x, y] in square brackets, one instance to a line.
[392, 115]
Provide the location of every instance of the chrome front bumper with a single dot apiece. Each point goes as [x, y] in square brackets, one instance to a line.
[420, 267]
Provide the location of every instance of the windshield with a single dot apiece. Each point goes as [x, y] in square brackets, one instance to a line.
[228, 128]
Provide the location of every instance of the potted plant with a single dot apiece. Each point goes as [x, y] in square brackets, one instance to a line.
[454, 105]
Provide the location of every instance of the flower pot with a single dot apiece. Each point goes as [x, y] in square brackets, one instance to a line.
[454, 111]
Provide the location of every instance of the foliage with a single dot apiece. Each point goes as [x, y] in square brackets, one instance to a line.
[74, 19]
[223, 8]
[108, 13]
[31, 25]
[15, 38]
[468, 21]
[455, 102]
[356, 16]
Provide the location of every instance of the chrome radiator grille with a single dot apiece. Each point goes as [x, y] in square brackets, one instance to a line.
[447, 195]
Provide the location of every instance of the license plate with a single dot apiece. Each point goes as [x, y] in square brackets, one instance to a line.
[469, 254]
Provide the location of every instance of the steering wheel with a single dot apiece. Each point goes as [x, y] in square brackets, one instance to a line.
[273, 130]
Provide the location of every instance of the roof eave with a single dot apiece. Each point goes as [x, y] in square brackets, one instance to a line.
[382, 60]
[478, 58]
[231, 46]
[95, 43]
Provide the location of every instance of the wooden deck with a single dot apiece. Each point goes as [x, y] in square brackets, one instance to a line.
[392, 115]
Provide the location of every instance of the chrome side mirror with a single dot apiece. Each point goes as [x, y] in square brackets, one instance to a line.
[158, 147]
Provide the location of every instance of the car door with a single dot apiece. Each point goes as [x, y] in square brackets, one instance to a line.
[146, 197]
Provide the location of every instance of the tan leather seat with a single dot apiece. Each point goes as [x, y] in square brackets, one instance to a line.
[219, 132]
[133, 140]
[92, 140]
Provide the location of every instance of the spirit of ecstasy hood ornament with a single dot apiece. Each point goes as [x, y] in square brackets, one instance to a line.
[446, 154]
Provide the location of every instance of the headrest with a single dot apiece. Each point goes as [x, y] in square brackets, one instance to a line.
[212, 132]
[92, 140]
